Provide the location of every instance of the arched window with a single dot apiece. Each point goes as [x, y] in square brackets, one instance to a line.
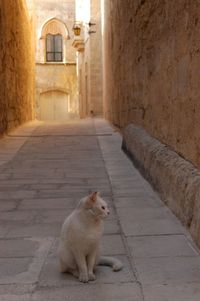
[53, 42]
[54, 48]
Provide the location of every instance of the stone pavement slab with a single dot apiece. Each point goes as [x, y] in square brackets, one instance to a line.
[18, 248]
[12, 142]
[9, 297]
[106, 292]
[148, 221]
[184, 292]
[23, 269]
[161, 246]
[44, 170]
[168, 270]
[162, 252]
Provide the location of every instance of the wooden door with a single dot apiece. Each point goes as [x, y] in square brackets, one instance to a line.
[53, 106]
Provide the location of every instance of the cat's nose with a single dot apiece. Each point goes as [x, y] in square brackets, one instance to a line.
[108, 212]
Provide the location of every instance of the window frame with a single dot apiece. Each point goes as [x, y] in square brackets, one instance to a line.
[53, 46]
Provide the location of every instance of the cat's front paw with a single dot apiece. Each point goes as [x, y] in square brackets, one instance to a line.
[83, 278]
[92, 276]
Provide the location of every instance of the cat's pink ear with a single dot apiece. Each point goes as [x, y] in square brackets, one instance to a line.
[93, 196]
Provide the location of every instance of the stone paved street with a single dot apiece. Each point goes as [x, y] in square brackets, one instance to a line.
[44, 170]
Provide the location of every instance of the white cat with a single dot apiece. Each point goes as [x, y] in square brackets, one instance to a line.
[79, 246]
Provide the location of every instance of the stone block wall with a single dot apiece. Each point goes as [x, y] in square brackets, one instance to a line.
[16, 65]
[152, 70]
[176, 180]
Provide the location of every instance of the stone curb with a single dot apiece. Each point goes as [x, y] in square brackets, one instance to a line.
[177, 180]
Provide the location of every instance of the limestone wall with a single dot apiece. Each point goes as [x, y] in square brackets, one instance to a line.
[55, 78]
[96, 59]
[152, 69]
[58, 78]
[63, 11]
[90, 62]
[16, 65]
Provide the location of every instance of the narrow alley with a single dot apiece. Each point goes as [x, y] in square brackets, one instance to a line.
[100, 95]
[45, 169]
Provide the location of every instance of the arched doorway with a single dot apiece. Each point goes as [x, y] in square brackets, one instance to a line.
[54, 105]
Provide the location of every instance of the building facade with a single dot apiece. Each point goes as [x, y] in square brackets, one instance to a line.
[56, 77]
[89, 57]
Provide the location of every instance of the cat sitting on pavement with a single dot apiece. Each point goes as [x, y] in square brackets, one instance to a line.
[79, 245]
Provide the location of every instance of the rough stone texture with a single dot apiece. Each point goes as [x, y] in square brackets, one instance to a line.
[176, 179]
[17, 65]
[151, 69]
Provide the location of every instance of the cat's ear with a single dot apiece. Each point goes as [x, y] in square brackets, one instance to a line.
[93, 196]
[91, 199]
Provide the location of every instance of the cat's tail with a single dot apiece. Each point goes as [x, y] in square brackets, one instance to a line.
[115, 263]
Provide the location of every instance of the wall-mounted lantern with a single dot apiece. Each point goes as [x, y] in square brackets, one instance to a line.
[77, 29]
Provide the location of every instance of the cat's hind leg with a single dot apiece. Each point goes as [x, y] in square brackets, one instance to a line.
[65, 269]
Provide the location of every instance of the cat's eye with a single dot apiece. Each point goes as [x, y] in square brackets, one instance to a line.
[103, 207]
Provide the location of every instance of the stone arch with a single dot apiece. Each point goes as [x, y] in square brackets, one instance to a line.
[54, 26]
[59, 89]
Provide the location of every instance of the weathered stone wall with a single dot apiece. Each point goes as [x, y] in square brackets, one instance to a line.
[152, 69]
[16, 65]
[176, 179]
